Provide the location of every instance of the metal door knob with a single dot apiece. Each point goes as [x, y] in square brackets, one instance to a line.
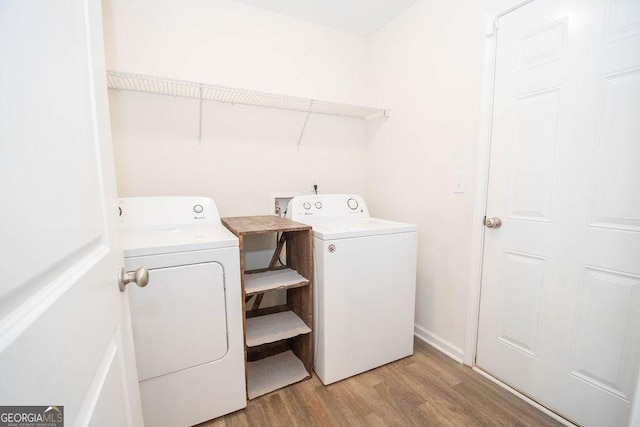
[494, 222]
[140, 277]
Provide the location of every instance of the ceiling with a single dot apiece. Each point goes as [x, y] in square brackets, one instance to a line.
[362, 17]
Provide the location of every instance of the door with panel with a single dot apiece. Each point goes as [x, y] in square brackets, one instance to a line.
[65, 334]
[560, 299]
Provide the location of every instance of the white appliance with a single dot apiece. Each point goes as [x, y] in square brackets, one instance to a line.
[364, 285]
[187, 322]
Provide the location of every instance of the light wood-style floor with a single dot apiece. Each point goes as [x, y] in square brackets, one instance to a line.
[426, 389]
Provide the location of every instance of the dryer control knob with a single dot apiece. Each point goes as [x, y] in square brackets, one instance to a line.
[353, 204]
[306, 205]
[198, 208]
[318, 205]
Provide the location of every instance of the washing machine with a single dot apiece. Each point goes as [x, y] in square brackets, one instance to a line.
[364, 285]
[187, 321]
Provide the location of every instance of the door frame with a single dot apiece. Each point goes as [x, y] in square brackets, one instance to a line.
[480, 206]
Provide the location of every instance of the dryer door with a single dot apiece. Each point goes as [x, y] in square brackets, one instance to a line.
[179, 320]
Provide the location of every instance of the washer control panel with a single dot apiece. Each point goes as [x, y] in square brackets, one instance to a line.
[327, 207]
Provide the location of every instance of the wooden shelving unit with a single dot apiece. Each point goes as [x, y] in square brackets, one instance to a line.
[278, 341]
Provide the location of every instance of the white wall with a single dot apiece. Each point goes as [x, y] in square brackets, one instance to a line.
[228, 43]
[427, 68]
[246, 153]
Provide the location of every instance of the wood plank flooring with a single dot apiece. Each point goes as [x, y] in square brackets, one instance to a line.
[426, 389]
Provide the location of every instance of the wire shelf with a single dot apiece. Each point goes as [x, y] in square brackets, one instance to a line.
[204, 91]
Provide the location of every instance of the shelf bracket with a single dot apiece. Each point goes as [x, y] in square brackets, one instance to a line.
[200, 121]
[304, 125]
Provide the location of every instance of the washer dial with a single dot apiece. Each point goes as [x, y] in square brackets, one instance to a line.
[353, 204]
[318, 205]
[306, 205]
[198, 208]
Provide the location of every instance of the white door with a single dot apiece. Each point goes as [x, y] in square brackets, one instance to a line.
[560, 304]
[64, 333]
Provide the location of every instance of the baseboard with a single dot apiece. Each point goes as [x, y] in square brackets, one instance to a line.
[440, 344]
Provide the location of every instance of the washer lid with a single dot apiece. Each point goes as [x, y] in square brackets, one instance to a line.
[171, 240]
[361, 227]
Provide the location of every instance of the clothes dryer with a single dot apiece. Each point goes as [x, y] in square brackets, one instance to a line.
[364, 285]
[187, 322]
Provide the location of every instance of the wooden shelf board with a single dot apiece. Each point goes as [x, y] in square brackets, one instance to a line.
[274, 327]
[261, 224]
[262, 270]
[267, 310]
[273, 373]
[274, 279]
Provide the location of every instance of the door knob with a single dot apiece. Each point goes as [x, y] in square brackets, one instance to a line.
[494, 222]
[140, 277]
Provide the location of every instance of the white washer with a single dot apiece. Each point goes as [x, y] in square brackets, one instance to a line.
[364, 285]
[187, 322]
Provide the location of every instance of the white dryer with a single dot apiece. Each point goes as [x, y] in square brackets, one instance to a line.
[364, 285]
[187, 322]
